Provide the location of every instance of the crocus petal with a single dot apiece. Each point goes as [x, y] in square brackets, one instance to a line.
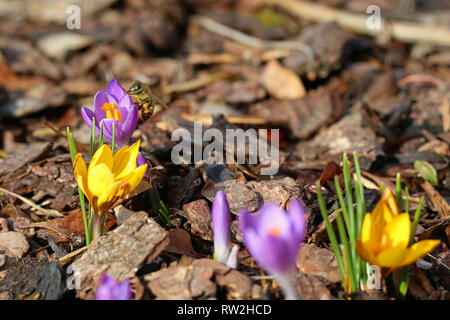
[109, 289]
[104, 288]
[110, 194]
[115, 89]
[274, 220]
[87, 116]
[221, 222]
[232, 261]
[419, 250]
[141, 160]
[102, 155]
[125, 105]
[100, 99]
[125, 160]
[391, 202]
[80, 174]
[392, 258]
[296, 211]
[275, 255]
[125, 290]
[135, 176]
[247, 220]
[99, 179]
[365, 252]
[385, 210]
[107, 131]
[397, 232]
[370, 236]
[130, 122]
[252, 242]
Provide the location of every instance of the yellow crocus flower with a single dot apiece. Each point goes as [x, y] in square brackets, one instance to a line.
[385, 237]
[109, 178]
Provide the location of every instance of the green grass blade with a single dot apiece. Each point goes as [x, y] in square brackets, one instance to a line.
[359, 208]
[407, 200]
[398, 192]
[331, 234]
[348, 258]
[403, 282]
[351, 236]
[72, 145]
[92, 139]
[100, 140]
[415, 221]
[358, 175]
[73, 153]
[342, 204]
[348, 195]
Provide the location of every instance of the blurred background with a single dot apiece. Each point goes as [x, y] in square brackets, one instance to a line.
[267, 63]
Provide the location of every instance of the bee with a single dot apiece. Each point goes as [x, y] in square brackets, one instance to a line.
[146, 100]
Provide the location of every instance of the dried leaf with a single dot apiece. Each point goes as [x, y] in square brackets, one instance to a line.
[426, 171]
[282, 83]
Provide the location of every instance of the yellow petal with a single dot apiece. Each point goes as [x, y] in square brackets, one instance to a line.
[384, 212]
[125, 160]
[397, 232]
[111, 194]
[102, 155]
[135, 177]
[419, 250]
[365, 253]
[390, 201]
[80, 174]
[398, 257]
[386, 208]
[370, 234]
[392, 258]
[99, 179]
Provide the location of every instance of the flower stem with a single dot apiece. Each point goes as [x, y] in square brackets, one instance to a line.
[73, 152]
[287, 283]
[97, 231]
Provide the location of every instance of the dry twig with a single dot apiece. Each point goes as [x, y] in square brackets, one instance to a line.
[207, 119]
[40, 211]
[248, 40]
[403, 31]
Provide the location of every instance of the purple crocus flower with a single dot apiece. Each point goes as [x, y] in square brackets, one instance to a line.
[109, 289]
[113, 106]
[273, 237]
[221, 223]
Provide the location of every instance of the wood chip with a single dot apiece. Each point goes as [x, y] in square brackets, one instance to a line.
[282, 83]
[120, 253]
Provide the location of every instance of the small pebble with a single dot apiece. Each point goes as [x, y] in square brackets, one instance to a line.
[424, 265]
[14, 244]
